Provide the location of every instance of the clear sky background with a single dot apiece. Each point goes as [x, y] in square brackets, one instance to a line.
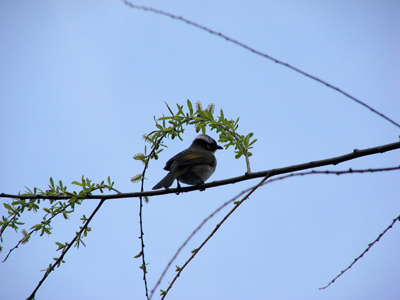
[80, 82]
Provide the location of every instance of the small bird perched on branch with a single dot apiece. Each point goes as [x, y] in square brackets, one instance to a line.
[192, 166]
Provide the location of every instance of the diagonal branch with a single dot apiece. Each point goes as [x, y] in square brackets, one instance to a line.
[362, 254]
[209, 237]
[59, 260]
[227, 38]
[313, 164]
[32, 231]
[249, 191]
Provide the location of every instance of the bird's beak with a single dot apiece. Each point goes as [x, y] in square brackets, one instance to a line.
[219, 147]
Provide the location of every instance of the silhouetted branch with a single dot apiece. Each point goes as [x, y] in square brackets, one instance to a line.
[273, 172]
[251, 190]
[259, 53]
[60, 259]
[32, 231]
[362, 254]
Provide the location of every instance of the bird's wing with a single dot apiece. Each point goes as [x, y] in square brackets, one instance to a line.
[188, 157]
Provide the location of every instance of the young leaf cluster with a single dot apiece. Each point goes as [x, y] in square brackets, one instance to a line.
[173, 125]
[55, 208]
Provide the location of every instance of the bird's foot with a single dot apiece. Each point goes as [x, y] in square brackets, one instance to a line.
[200, 183]
[178, 187]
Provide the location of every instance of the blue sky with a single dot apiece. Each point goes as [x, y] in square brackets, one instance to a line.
[80, 82]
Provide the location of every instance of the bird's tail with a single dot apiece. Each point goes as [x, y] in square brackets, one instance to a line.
[167, 181]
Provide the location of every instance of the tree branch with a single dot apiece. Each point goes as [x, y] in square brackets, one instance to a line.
[313, 164]
[249, 191]
[32, 231]
[227, 38]
[194, 252]
[362, 254]
[60, 259]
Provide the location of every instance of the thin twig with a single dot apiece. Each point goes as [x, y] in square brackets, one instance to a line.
[362, 254]
[14, 216]
[261, 54]
[144, 266]
[32, 231]
[350, 171]
[209, 237]
[59, 260]
[191, 235]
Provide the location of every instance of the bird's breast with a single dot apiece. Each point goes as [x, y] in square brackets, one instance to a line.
[203, 171]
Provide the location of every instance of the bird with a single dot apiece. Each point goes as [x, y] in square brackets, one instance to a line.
[192, 166]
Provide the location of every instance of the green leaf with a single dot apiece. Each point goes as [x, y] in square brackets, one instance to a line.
[177, 118]
[45, 230]
[65, 215]
[198, 119]
[164, 118]
[169, 109]
[247, 139]
[189, 104]
[52, 183]
[8, 206]
[60, 246]
[18, 202]
[48, 269]
[237, 121]
[37, 227]
[252, 142]
[209, 115]
[180, 109]
[29, 191]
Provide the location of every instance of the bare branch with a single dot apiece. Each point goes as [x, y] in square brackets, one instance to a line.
[261, 54]
[252, 189]
[206, 240]
[362, 254]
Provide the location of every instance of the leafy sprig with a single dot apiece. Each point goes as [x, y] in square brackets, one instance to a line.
[173, 125]
[57, 207]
